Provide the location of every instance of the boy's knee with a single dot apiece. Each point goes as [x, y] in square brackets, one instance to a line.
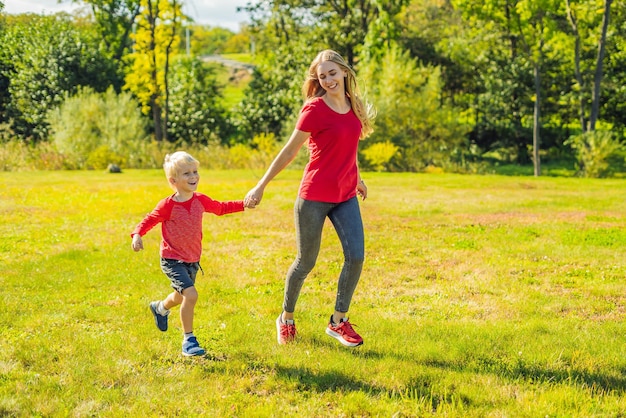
[190, 293]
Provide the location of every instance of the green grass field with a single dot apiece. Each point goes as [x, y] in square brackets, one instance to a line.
[482, 296]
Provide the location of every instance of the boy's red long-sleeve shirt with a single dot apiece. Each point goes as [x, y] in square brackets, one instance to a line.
[181, 224]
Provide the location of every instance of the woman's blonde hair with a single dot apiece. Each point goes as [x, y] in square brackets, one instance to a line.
[312, 88]
[173, 162]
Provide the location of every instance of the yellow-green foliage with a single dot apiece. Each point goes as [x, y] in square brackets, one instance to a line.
[380, 154]
[19, 156]
[154, 38]
[593, 150]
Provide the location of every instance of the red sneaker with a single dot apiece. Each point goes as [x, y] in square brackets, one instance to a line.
[344, 333]
[286, 332]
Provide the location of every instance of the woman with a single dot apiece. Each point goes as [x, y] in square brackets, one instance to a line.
[333, 120]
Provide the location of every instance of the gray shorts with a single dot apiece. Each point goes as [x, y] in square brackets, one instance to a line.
[181, 274]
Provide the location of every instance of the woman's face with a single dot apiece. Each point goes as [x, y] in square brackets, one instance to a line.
[331, 77]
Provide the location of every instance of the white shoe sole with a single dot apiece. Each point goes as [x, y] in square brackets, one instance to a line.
[339, 338]
[278, 331]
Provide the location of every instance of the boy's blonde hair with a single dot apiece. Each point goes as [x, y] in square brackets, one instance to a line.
[174, 161]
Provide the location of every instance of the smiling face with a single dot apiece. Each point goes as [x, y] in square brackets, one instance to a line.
[332, 77]
[186, 179]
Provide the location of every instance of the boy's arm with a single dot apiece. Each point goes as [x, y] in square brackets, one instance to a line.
[159, 214]
[221, 208]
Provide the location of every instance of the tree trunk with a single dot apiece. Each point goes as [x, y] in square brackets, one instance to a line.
[153, 13]
[166, 70]
[537, 120]
[579, 79]
[597, 80]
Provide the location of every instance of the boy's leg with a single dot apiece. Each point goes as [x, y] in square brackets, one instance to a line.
[183, 278]
[191, 347]
[187, 306]
[172, 300]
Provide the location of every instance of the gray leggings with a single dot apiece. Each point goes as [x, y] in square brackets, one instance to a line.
[310, 217]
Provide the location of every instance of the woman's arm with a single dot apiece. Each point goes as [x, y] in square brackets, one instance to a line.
[361, 188]
[282, 160]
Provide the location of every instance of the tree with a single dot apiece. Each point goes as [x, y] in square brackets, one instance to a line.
[272, 96]
[529, 29]
[114, 21]
[196, 114]
[581, 32]
[157, 31]
[44, 58]
[207, 40]
[290, 33]
[341, 25]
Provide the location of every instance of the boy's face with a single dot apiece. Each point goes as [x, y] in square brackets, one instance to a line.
[186, 179]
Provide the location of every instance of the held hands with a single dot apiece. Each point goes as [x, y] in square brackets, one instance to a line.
[137, 242]
[253, 198]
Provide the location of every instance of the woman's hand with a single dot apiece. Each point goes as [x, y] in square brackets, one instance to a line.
[361, 189]
[253, 198]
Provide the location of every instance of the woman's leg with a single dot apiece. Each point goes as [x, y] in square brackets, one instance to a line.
[346, 218]
[309, 219]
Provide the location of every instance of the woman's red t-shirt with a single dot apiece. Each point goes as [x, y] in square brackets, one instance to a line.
[331, 174]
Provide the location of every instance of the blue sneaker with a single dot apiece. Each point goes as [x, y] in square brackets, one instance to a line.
[160, 320]
[192, 348]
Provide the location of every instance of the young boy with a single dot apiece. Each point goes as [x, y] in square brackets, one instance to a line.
[180, 216]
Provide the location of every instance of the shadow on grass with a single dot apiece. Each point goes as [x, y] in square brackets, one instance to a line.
[420, 391]
[521, 371]
[421, 387]
[362, 351]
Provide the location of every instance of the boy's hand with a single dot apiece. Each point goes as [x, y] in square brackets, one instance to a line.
[249, 204]
[253, 198]
[137, 242]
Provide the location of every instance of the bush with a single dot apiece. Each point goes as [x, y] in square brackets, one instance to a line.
[380, 154]
[593, 152]
[18, 155]
[92, 130]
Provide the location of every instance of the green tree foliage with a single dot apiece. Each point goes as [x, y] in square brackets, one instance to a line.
[44, 58]
[613, 99]
[410, 112]
[290, 33]
[114, 21]
[94, 129]
[449, 78]
[434, 32]
[196, 113]
[272, 97]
